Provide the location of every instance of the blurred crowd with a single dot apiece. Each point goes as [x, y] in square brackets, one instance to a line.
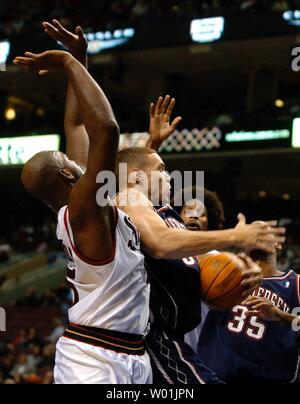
[36, 322]
[34, 325]
[29, 239]
[22, 18]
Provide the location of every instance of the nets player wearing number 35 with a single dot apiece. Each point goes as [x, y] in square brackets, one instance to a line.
[257, 341]
[104, 343]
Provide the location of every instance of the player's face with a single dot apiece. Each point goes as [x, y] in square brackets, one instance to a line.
[159, 181]
[195, 216]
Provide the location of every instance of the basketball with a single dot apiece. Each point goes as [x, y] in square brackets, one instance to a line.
[221, 277]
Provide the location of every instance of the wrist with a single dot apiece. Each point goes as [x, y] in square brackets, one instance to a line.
[68, 60]
[286, 317]
[82, 58]
[153, 144]
[233, 239]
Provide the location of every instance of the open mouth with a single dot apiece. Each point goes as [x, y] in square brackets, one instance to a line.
[194, 226]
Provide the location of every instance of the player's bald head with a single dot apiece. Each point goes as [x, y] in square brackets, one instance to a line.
[48, 175]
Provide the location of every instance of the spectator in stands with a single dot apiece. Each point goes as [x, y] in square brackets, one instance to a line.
[23, 366]
[57, 332]
[31, 299]
[20, 339]
[6, 251]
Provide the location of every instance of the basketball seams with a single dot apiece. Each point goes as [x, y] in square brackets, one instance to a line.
[219, 274]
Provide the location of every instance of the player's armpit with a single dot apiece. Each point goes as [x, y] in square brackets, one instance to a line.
[93, 226]
[150, 226]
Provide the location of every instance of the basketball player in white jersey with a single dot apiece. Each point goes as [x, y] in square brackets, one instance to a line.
[104, 343]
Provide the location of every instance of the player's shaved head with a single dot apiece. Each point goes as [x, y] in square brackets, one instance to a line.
[49, 176]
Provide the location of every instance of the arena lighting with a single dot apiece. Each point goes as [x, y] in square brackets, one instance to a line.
[292, 17]
[104, 40]
[279, 103]
[296, 133]
[4, 53]
[18, 150]
[10, 114]
[206, 30]
[236, 137]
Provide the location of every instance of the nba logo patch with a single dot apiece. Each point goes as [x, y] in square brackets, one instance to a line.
[287, 285]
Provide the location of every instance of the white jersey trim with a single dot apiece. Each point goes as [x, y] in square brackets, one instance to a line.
[78, 253]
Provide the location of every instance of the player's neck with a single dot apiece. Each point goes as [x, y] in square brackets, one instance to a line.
[269, 268]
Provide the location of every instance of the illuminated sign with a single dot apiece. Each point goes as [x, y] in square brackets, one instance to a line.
[181, 141]
[296, 133]
[18, 150]
[104, 40]
[292, 17]
[138, 139]
[207, 30]
[4, 53]
[257, 136]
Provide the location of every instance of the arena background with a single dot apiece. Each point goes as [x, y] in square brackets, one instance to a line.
[234, 81]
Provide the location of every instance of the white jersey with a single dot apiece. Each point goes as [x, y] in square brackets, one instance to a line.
[112, 295]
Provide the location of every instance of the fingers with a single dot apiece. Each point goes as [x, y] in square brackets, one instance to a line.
[242, 219]
[31, 55]
[165, 106]
[171, 105]
[152, 110]
[60, 28]
[253, 300]
[259, 306]
[79, 32]
[176, 122]
[43, 72]
[250, 300]
[23, 62]
[158, 107]
[53, 32]
[253, 313]
[268, 243]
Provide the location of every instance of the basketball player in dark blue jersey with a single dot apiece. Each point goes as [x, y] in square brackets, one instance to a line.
[257, 341]
[174, 279]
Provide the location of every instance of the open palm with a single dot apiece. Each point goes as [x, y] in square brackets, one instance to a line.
[161, 127]
[76, 43]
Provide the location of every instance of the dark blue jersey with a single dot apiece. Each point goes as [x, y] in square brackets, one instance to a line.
[244, 348]
[175, 287]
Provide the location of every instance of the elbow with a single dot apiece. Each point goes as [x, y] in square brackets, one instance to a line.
[108, 129]
[160, 252]
[112, 128]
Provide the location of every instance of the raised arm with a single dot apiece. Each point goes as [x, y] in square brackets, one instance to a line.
[161, 127]
[77, 140]
[162, 242]
[93, 225]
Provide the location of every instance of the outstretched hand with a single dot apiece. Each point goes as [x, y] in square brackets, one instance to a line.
[43, 63]
[259, 235]
[161, 127]
[76, 42]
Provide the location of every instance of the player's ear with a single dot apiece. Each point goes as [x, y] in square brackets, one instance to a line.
[68, 175]
[136, 177]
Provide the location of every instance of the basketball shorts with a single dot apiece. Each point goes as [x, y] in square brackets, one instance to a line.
[86, 356]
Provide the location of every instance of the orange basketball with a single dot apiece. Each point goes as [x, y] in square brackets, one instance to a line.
[221, 277]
